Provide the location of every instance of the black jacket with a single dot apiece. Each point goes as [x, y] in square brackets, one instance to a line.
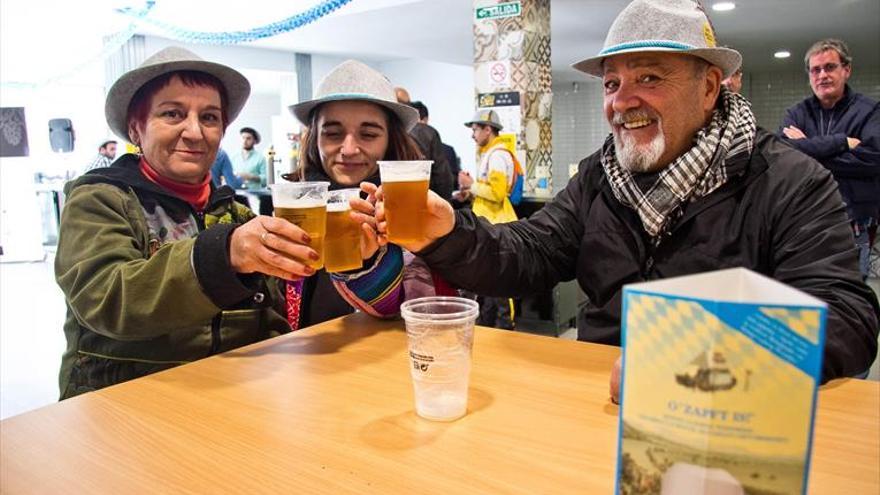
[856, 170]
[429, 142]
[780, 214]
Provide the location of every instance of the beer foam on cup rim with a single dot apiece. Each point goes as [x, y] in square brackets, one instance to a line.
[299, 194]
[404, 170]
[298, 203]
[338, 200]
[339, 206]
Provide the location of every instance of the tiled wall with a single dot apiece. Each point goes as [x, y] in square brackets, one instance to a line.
[579, 127]
[513, 54]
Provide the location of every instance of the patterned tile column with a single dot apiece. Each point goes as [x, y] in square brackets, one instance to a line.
[512, 75]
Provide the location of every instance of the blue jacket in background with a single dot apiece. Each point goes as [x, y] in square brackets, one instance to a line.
[856, 170]
[223, 168]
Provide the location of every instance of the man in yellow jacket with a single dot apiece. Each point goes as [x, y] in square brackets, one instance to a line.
[495, 179]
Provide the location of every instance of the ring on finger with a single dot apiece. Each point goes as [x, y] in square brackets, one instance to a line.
[264, 236]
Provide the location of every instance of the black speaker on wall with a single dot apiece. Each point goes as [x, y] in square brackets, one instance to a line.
[61, 135]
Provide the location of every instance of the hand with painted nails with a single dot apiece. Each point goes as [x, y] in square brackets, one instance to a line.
[272, 246]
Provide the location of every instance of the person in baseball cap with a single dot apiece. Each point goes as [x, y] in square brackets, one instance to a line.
[486, 117]
[490, 192]
[684, 183]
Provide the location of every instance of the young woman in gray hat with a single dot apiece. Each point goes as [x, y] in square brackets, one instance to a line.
[159, 268]
[354, 121]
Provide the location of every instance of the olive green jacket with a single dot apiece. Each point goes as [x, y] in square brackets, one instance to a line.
[147, 280]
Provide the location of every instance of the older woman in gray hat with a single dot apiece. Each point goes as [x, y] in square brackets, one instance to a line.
[158, 267]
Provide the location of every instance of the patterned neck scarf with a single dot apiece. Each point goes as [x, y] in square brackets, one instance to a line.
[699, 171]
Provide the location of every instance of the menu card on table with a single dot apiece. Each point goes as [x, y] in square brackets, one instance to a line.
[719, 385]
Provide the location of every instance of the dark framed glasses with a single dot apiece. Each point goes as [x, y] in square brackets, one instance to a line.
[828, 68]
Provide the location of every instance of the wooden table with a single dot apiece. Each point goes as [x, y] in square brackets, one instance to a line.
[329, 409]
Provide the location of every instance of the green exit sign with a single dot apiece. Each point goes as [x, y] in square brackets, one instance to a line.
[500, 11]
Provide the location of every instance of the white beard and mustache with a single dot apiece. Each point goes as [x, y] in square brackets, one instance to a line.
[629, 154]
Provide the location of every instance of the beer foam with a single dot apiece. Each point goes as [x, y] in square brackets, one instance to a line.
[299, 194]
[297, 203]
[405, 171]
[340, 206]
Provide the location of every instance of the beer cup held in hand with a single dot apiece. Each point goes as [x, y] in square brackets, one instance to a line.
[440, 337]
[342, 245]
[305, 205]
[405, 184]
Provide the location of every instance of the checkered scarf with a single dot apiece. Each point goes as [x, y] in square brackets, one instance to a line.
[698, 172]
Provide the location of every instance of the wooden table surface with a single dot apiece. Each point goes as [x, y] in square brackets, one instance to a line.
[329, 409]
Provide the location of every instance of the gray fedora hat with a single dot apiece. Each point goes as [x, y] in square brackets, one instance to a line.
[672, 26]
[486, 117]
[171, 59]
[353, 80]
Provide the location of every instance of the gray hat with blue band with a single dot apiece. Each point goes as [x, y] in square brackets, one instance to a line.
[171, 59]
[353, 80]
[669, 26]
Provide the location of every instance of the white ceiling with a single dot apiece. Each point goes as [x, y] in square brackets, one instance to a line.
[41, 38]
[441, 30]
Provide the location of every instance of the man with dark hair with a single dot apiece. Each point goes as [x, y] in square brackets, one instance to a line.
[105, 156]
[423, 111]
[429, 142]
[841, 129]
[250, 164]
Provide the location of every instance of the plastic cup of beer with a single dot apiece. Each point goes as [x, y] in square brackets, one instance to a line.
[305, 205]
[342, 246]
[440, 337]
[405, 184]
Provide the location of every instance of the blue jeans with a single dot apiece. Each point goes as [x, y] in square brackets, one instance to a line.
[862, 229]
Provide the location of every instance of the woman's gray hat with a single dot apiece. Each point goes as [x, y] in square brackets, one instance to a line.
[353, 80]
[171, 59]
[673, 26]
[486, 117]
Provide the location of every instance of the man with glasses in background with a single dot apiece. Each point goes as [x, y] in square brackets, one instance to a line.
[841, 129]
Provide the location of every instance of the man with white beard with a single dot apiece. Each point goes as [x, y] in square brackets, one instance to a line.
[685, 183]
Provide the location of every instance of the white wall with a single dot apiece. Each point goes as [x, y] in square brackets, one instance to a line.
[257, 113]
[448, 92]
[20, 215]
[260, 107]
[237, 57]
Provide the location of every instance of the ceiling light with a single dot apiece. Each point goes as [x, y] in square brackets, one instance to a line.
[723, 6]
[782, 54]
